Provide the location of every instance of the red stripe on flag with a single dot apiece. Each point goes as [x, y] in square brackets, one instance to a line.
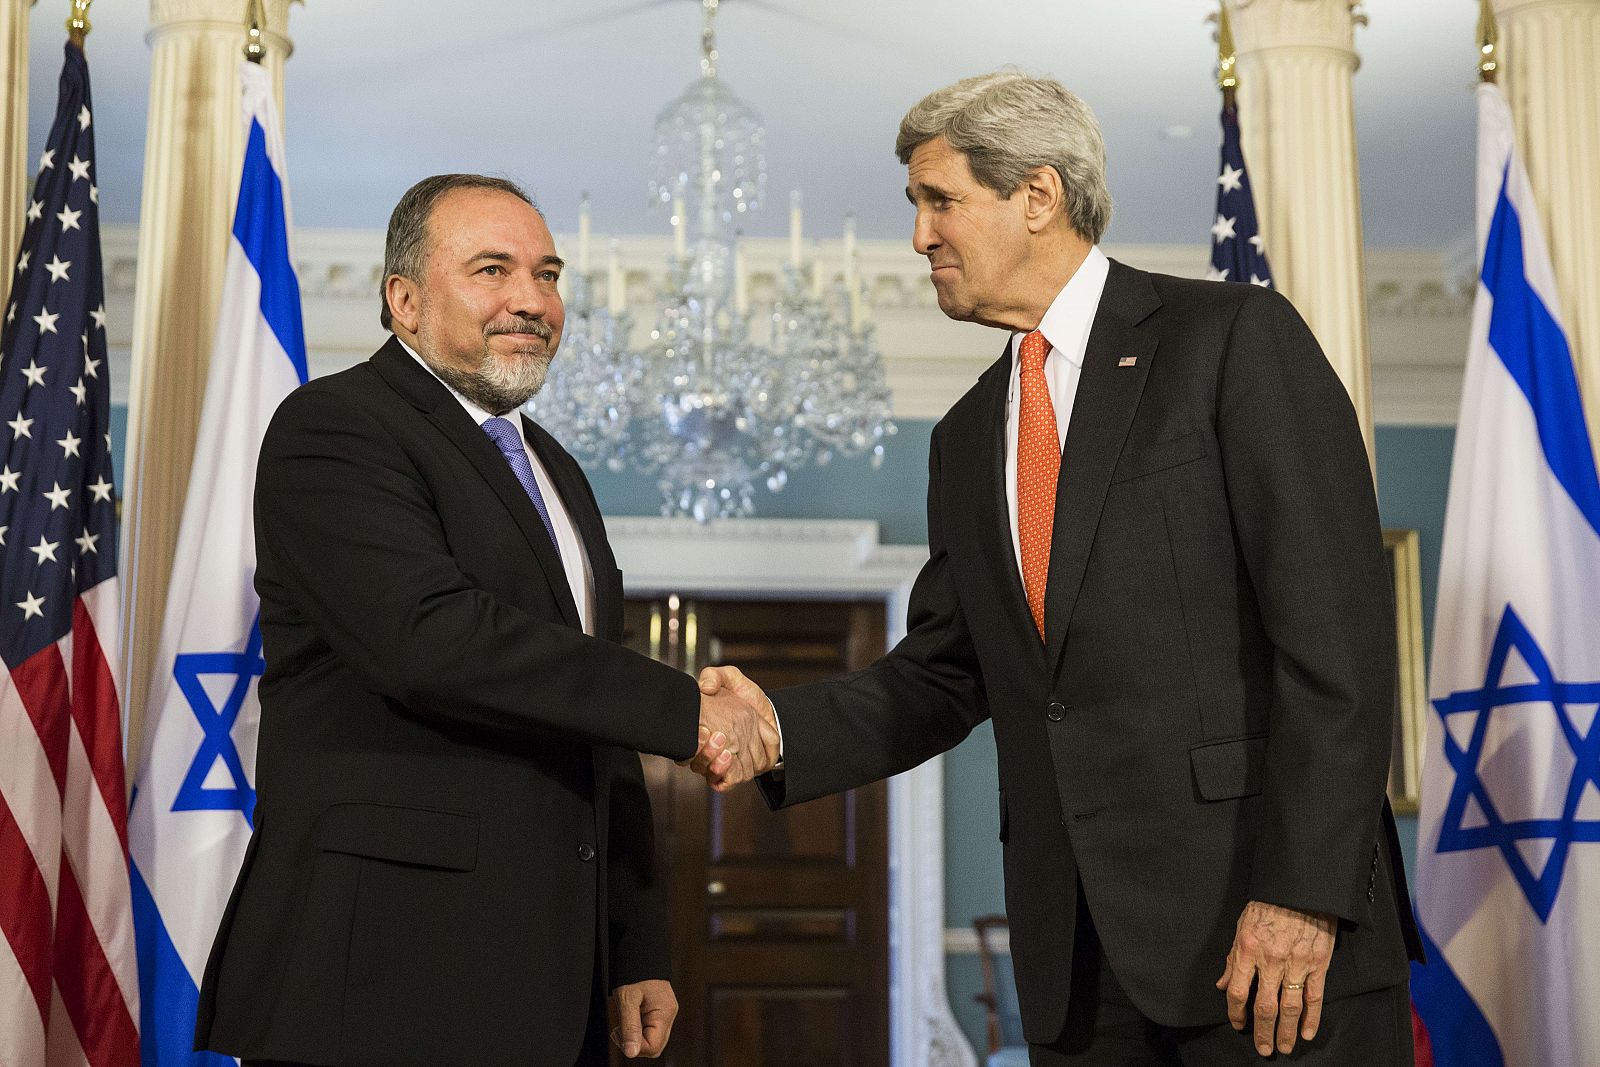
[25, 909]
[88, 988]
[41, 682]
[1420, 1040]
[94, 709]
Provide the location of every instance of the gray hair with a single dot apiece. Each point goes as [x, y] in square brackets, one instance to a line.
[405, 249]
[1008, 124]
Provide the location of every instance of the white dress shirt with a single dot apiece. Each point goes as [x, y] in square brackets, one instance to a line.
[574, 560]
[1066, 326]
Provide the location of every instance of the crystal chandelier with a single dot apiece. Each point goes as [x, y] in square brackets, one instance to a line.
[710, 412]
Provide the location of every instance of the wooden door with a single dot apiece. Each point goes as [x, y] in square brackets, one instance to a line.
[779, 920]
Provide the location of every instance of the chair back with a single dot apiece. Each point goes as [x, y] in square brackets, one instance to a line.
[999, 996]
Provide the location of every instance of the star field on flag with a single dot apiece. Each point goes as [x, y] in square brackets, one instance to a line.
[1237, 254]
[68, 986]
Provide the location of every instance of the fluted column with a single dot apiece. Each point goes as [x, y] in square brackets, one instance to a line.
[1297, 60]
[1550, 71]
[14, 174]
[194, 146]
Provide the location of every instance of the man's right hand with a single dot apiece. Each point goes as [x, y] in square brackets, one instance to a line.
[738, 738]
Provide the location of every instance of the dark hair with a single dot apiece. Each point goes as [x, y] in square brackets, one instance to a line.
[405, 249]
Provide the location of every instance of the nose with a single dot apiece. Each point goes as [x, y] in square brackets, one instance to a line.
[923, 236]
[533, 299]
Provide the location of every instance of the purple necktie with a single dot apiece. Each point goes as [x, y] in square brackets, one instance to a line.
[505, 435]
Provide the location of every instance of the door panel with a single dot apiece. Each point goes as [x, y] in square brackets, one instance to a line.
[779, 920]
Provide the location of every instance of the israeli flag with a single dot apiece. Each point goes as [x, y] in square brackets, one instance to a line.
[194, 799]
[1508, 878]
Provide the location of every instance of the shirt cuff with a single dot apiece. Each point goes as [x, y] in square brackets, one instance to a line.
[777, 722]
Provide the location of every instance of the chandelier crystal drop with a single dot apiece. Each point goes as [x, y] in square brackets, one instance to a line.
[711, 413]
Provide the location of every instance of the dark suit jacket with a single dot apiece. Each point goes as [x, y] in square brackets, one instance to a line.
[450, 824]
[1209, 719]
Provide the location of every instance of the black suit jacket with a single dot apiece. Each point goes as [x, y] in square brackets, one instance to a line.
[450, 822]
[1208, 721]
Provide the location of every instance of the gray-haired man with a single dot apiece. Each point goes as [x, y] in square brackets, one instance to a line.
[1156, 564]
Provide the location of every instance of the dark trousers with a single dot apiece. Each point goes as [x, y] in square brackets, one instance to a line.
[1105, 1029]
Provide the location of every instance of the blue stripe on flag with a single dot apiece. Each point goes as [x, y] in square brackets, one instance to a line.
[168, 996]
[262, 229]
[1457, 1031]
[1528, 340]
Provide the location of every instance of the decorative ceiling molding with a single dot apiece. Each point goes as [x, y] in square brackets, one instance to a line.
[1419, 306]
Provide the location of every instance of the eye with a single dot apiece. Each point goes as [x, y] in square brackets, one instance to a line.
[494, 269]
[550, 275]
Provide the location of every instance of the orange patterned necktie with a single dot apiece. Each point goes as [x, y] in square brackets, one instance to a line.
[1038, 465]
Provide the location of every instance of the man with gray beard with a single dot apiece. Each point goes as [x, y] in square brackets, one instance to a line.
[453, 859]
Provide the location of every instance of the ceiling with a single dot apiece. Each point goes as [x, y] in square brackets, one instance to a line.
[562, 96]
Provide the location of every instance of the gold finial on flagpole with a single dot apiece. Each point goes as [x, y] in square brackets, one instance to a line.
[1227, 80]
[78, 22]
[255, 21]
[1488, 43]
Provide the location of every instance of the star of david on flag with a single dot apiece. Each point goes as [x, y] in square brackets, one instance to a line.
[240, 669]
[195, 802]
[1486, 826]
[1508, 866]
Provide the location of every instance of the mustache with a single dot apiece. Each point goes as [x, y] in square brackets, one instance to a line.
[518, 324]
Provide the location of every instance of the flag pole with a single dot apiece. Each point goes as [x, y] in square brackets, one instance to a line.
[1227, 78]
[255, 21]
[1488, 43]
[78, 26]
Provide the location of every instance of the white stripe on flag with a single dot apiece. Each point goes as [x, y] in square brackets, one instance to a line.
[22, 1038]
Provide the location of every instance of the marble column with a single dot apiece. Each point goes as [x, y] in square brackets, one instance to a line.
[1296, 62]
[1550, 72]
[16, 176]
[194, 146]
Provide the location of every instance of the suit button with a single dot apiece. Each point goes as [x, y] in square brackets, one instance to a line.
[586, 852]
[1055, 712]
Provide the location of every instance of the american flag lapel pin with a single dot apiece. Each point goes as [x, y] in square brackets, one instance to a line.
[1128, 361]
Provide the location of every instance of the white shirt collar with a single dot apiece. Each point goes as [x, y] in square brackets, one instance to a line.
[479, 415]
[1067, 320]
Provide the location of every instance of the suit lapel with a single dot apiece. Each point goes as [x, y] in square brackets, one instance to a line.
[436, 403]
[980, 463]
[585, 516]
[1115, 365]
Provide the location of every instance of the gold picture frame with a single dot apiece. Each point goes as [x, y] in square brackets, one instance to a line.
[1411, 684]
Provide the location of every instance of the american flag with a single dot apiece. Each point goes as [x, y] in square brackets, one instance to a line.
[68, 987]
[1237, 254]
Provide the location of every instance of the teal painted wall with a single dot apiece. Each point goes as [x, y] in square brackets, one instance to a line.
[1413, 474]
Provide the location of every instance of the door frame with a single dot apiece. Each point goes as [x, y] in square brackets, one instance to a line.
[829, 559]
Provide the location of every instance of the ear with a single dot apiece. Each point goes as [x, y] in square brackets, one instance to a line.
[1044, 198]
[405, 305]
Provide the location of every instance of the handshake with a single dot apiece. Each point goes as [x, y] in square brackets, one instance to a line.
[739, 736]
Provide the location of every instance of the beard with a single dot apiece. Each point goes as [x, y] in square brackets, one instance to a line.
[496, 383]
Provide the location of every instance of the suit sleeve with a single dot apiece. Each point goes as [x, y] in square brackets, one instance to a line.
[636, 889]
[1301, 495]
[352, 535]
[919, 700]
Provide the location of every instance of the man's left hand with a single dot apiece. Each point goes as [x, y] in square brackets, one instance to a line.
[1287, 953]
[645, 1011]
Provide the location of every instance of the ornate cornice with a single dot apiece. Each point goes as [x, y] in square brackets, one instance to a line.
[1259, 25]
[1419, 303]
